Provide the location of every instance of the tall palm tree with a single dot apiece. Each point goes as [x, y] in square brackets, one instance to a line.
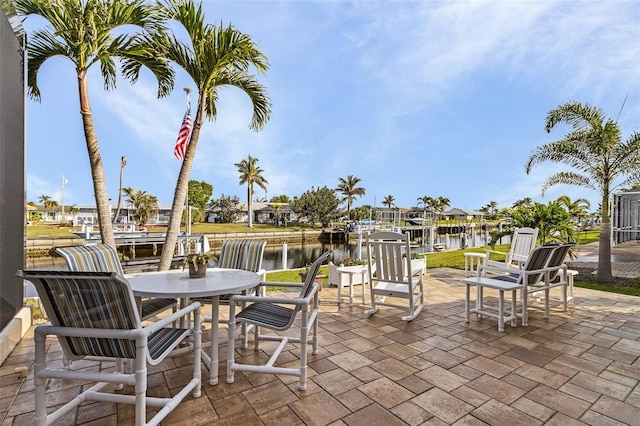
[597, 156]
[251, 174]
[427, 203]
[144, 204]
[44, 199]
[389, 201]
[88, 33]
[522, 202]
[441, 204]
[213, 58]
[349, 189]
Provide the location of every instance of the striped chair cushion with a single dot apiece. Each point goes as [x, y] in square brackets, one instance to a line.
[538, 259]
[269, 315]
[104, 258]
[231, 254]
[253, 253]
[101, 301]
[93, 303]
[242, 254]
[91, 258]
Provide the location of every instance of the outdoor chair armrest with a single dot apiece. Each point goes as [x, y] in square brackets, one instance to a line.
[279, 284]
[195, 306]
[488, 253]
[495, 269]
[281, 300]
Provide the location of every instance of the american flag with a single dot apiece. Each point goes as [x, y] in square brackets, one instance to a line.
[183, 135]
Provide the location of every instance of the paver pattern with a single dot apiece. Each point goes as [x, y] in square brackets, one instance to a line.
[577, 367]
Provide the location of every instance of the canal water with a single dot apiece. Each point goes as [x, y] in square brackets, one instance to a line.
[299, 255]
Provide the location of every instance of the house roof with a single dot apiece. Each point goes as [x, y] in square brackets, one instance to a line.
[458, 212]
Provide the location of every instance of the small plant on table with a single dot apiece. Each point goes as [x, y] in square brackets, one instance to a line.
[197, 263]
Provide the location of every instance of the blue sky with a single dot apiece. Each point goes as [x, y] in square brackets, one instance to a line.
[436, 98]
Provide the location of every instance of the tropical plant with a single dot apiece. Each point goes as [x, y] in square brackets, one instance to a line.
[196, 259]
[251, 174]
[350, 261]
[491, 208]
[349, 189]
[389, 201]
[88, 33]
[144, 204]
[597, 156]
[363, 212]
[441, 204]
[427, 203]
[47, 202]
[522, 202]
[214, 57]
[577, 209]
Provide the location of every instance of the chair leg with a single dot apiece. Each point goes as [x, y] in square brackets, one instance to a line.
[501, 311]
[140, 365]
[304, 336]
[466, 303]
[514, 308]
[39, 382]
[231, 344]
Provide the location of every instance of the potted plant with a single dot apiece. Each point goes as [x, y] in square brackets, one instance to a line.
[350, 261]
[319, 277]
[197, 263]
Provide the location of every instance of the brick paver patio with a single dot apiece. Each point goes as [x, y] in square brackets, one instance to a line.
[578, 367]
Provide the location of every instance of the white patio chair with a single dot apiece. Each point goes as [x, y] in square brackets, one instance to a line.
[94, 316]
[104, 258]
[240, 254]
[540, 267]
[273, 313]
[522, 242]
[556, 275]
[389, 259]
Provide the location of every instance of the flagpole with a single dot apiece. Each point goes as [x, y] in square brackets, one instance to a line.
[187, 217]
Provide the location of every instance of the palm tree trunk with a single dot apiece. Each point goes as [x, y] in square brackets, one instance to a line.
[250, 204]
[180, 193]
[97, 168]
[603, 274]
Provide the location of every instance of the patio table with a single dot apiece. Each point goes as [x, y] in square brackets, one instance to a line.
[177, 284]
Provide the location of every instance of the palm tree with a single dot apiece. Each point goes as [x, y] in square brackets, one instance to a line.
[522, 202]
[595, 152]
[441, 204]
[44, 199]
[577, 209]
[215, 57]
[348, 188]
[251, 174]
[84, 33]
[427, 202]
[144, 204]
[389, 201]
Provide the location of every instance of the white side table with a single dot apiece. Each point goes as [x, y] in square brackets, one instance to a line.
[472, 261]
[570, 274]
[351, 271]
